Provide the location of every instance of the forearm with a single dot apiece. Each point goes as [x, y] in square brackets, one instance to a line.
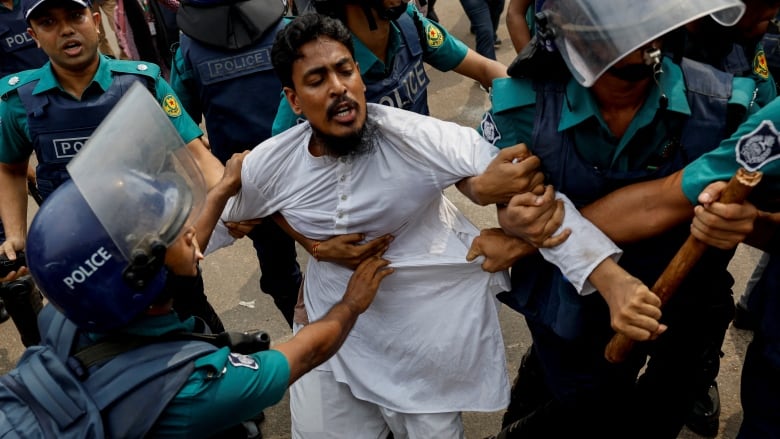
[318, 341]
[579, 256]
[641, 210]
[481, 69]
[305, 242]
[519, 30]
[216, 198]
[209, 165]
[13, 199]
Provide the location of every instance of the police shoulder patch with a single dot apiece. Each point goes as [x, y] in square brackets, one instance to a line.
[760, 67]
[489, 129]
[759, 147]
[171, 106]
[240, 360]
[434, 36]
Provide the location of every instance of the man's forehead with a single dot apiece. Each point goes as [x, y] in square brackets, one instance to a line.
[324, 47]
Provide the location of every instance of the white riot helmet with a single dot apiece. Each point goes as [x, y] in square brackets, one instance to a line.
[593, 35]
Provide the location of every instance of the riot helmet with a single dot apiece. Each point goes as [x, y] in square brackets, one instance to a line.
[592, 36]
[96, 248]
[229, 24]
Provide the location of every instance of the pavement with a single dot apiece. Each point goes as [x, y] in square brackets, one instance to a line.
[232, 276]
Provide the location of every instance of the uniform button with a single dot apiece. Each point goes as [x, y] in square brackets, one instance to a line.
[142, 67]
[13, 80]
[343, 197]
[342, 178]
[340, 214]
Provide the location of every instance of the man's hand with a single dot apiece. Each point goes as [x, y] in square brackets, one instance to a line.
[513, 171]
[534, 217]
[364, 282]
[9, 249]
[239, 229]
[722, 225]
[347, 251]
[499, 249]
[634, 310]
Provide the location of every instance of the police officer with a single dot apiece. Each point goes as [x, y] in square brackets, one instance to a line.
[754, 147]
[738, 50]
[53, 110]
[623, 117]
[223, 70]
[392, 40]
[18, 52]
[110, 246]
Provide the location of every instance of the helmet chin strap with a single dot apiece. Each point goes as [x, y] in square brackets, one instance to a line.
[652, 57]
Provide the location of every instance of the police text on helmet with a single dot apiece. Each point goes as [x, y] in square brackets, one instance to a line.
[88, 268]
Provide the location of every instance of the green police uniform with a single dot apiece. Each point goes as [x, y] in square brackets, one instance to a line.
[14, 134]
[758, 137]
[225, 388]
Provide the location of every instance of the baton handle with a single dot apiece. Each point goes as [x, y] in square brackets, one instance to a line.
[736, 191]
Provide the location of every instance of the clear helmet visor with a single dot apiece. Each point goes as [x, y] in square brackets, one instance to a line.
[594, 35]
[137, 175]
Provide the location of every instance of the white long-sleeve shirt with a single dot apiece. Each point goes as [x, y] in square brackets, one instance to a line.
[430, 342]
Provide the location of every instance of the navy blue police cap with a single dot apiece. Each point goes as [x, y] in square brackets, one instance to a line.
[28, 6]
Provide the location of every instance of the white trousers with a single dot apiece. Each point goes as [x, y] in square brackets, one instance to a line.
[323, 408]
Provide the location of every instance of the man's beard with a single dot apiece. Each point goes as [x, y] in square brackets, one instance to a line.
[356, 143]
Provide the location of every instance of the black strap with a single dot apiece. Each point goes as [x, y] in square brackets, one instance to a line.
[110, 347]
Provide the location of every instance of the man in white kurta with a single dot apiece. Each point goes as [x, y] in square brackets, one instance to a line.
[430, 343]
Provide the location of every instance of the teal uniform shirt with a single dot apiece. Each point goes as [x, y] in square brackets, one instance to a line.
[15, 143]
[441, 50]
[511, 119]
[225, 388]
[758, 137]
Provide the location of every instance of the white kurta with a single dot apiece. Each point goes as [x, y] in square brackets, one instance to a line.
[430, 342]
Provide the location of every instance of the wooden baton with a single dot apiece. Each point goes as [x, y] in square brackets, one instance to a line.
[689, 254]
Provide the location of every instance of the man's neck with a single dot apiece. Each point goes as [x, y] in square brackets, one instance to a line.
[8, 4]
[619, 101]
[76, 81]
[375, 40]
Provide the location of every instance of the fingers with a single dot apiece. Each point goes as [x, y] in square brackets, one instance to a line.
[475, 250]
[556, 240]
[639, 320]
[516, 153]
[712, 192]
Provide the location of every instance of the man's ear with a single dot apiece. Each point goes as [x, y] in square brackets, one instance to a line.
[96, 19]
[292, 99]
[32, 33]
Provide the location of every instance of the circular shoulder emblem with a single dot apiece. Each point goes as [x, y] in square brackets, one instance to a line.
[13, 80]
[434, 35]
[171, 106]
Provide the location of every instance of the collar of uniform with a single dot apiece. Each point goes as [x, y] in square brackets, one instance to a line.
[48, 81]
[366, 59]
[582, 105]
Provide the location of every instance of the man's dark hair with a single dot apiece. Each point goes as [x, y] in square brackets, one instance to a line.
[306, 28]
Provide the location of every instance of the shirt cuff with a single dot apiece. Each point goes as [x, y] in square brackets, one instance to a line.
[583, 251]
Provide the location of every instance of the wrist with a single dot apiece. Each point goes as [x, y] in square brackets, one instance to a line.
[315, 250]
